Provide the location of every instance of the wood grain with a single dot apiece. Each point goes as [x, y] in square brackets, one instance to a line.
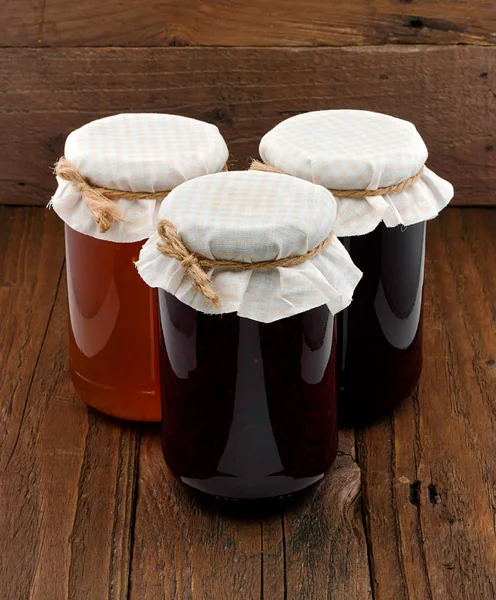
[325, 545]
[185, 549]
[429, 472]
[82, 517]
[237, 23]
[67, 482]
[449, 93]
[31, 262]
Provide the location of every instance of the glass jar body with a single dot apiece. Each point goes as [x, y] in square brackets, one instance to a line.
[249, 409]
[113, 350]
[380, 333]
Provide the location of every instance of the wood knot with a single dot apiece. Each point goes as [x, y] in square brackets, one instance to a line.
[415, 489]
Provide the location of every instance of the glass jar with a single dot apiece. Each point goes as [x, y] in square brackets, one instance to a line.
[110, 310]
[375, 166]
[249, 408]
[114, 176]
[249, 275]
[380, 333]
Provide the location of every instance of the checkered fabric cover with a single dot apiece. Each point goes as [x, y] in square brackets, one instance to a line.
[251, 216]
[139, 153]
[353, 149]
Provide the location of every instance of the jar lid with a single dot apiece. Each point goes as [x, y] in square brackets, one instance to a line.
[147, 153]
[251, 217]
[360, 150]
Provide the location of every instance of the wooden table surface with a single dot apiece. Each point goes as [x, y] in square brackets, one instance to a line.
[88, 510]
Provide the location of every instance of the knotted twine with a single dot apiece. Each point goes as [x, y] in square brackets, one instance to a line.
[100, 200]
[197, 266]
[256, 165]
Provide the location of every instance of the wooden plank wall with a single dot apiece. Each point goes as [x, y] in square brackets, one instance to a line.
[245, 66]
[239, 23]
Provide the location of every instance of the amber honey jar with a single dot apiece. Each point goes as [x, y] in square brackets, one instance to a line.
[374, 165]
[249, 276]
[115, 174]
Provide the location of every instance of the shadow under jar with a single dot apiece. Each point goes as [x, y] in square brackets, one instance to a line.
[380, 333]
[249, 408]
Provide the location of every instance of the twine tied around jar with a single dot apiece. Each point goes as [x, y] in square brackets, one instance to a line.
[257, 165]
[100, 200]
[197, 266]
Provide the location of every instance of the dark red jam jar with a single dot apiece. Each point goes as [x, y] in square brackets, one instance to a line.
[249, 408]
[375, 166]
[380, 333]
[250, 274]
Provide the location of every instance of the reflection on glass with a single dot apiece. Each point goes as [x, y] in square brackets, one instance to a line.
[380, 334]
[113, 328]
[249, 409]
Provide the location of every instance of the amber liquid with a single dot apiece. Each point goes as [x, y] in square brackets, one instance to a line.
[249, 409]
[380, 334]
[113, 350]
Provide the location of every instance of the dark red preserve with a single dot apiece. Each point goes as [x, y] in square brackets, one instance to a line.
[249, 408]
[380, 333]
[375, 166]
[249, 273]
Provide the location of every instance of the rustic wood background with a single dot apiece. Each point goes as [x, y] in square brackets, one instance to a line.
[245, 66]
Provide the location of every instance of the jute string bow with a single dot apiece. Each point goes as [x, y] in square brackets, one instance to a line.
[197, 266]
[100, 200]
[256, 165]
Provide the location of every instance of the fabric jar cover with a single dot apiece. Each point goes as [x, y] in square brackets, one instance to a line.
[137, 153]
[354, 149]
[253, 217]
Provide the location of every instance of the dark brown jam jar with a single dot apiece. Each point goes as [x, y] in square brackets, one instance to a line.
[250, 275]
[249, 408]
[375, 167]
[380, 333]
